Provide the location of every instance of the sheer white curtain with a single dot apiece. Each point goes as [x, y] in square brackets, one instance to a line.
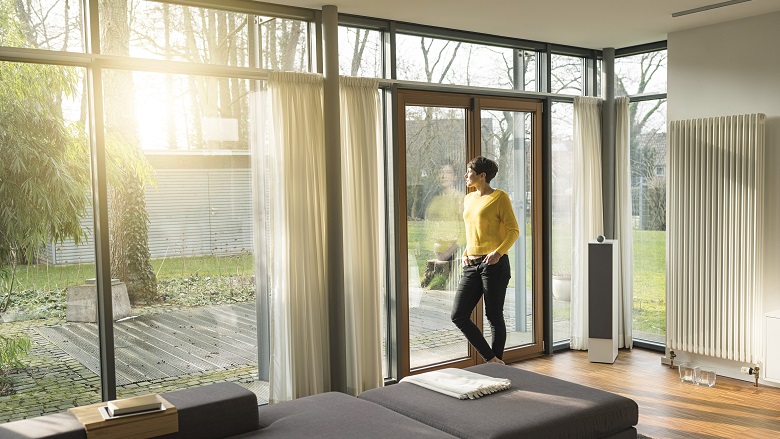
[623, 226]
[588, 212]
[298, 304]
[360, 179]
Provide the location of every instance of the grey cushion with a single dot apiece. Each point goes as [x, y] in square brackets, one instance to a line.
[213, 411]
[56, 426]
[625, 434]
[537, 406]
[337, 416]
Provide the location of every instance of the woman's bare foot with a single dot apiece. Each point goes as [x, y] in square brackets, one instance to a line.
[496, 360]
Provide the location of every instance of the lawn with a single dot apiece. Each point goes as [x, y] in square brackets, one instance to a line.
[46, 277]
[41, 290]
[649, 268]
[192, 281]
[650, 282]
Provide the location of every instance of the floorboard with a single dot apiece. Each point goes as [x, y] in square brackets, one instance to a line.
[667, 407]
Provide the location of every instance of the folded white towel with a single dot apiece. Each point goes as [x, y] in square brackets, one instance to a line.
[459, 383]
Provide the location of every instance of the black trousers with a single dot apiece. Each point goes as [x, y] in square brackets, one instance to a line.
[489, 281]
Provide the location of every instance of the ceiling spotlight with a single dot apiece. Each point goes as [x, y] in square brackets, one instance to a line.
[708, 7]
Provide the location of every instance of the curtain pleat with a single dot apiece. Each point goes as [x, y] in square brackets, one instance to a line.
[588, 212]
[623, 223]
[361, 204]
[300, 363]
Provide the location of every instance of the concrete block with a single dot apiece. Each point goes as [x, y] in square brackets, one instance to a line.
[82, 302]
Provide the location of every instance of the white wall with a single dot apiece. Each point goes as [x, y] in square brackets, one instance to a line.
[728, 69]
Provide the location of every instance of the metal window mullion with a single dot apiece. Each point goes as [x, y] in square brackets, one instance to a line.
[608, 144]
[466, 36]
[394, 341]
[647, 97]
[547, 299]
[248, 7]
[390, 51]
[179, 67]
[571, 50]
[41, 56]
[544, 70]
[481, 91]
[102, 250]
[316, 45]
[363, 22]
[591, 75]
[98, 159]
[640, 49]
[335, 262]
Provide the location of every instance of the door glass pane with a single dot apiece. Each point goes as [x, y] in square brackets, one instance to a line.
[562, 232]
[506, 138]
[435, 157]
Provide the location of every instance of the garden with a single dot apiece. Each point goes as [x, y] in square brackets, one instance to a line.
[27, 361]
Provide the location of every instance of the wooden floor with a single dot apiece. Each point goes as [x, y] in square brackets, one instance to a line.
[667, 407]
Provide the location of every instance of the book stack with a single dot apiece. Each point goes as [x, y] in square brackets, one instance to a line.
[159, 418]
[130, 406]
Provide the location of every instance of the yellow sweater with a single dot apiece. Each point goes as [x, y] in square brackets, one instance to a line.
[490, 223]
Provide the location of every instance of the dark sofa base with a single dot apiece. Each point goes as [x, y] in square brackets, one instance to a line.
[336, 416]
[536, 406]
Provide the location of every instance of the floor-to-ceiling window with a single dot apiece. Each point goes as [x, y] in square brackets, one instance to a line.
[180, 99]
[44, 192]
[642, 77]
[179, 91]
[562, 193]
[567, 77]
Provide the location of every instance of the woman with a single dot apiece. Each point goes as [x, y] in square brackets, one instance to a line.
[491, 229]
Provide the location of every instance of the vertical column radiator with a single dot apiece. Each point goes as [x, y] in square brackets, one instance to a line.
[715, 236]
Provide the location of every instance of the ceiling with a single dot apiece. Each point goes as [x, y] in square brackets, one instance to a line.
[593, 24]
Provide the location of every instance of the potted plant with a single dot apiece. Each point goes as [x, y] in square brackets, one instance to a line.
[561, 286]
[561, 269]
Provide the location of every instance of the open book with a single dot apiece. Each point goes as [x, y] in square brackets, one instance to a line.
[133, 405]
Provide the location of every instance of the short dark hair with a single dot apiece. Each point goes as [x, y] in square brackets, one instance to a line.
[484, 164]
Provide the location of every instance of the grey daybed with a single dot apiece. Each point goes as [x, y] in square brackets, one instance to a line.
[536, 406]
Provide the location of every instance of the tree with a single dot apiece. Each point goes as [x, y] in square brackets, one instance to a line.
[648, 136]
[128, 219]
[44, 177]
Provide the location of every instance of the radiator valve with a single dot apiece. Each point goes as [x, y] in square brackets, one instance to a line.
[752, 371]
[671, 359]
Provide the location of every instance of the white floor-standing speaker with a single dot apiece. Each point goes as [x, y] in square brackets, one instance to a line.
[602, 301]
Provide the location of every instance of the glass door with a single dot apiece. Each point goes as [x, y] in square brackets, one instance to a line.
[509, 130]
[433, 133]
[438, 134]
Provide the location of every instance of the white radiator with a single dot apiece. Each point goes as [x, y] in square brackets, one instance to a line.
[715, 236]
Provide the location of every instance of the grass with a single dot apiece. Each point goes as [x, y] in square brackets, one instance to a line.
[46, 277]
[649, 268]
[41, 290]
[650, 282]
[189, 281]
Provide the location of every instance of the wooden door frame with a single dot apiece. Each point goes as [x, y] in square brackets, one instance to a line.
[535, 107]
[472, 104]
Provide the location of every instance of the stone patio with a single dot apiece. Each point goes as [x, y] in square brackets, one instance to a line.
[173, 349]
